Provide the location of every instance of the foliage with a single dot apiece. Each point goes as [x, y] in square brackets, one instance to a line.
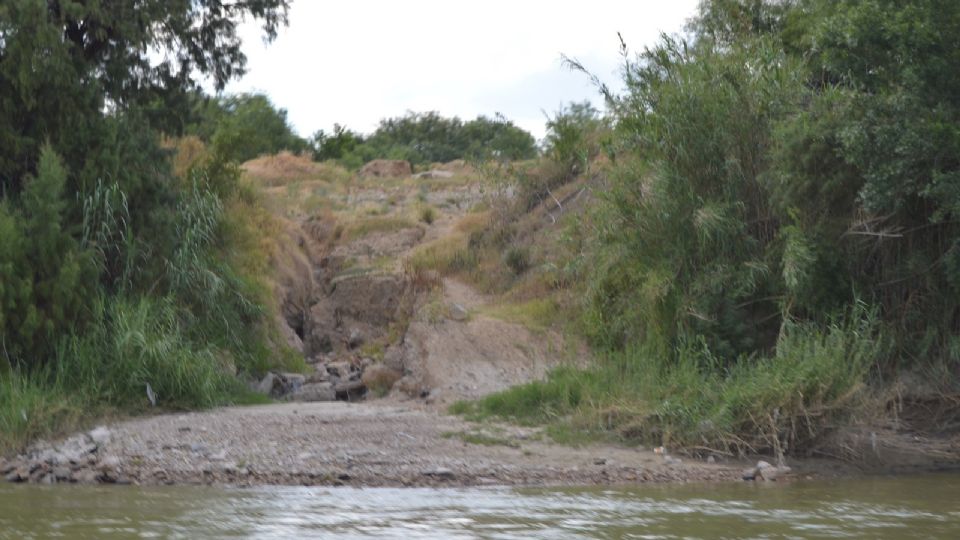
[46, 285]
[337, 145]
[115, 273]
[793, 157]
[423, 138]
[783, 403]
[777, 228]
[251, 126]
[63, 63]
[574, 137]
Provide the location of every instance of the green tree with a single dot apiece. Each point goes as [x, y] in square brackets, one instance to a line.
[47, 278]
[496, 138]
[63, 63]
[573, 136]
[251, 126]
[337, 145]
[96, 83]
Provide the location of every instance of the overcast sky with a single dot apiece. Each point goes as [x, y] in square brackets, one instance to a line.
[355, 62]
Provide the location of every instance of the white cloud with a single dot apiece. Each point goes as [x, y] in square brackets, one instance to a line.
[359, 61]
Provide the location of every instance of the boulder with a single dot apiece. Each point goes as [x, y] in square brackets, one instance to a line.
[341, 370]
[356, 338]
[386, 168]
[100, 435]
[292, 381]
[265, 386]
[310, 392]
[350, 390]
[458, 312]
[62, 474]
[771, 473]
[320, 375]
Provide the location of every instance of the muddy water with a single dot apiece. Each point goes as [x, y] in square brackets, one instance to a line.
[914, 507]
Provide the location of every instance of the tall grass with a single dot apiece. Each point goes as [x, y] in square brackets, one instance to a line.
[186, 321]
[781, 403]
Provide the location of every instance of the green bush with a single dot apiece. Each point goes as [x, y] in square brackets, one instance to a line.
[428, 214]
[250, 126]
[517, 259]
[424, 138]
[47, 278]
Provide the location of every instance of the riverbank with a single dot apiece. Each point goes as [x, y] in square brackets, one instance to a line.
[384, 443]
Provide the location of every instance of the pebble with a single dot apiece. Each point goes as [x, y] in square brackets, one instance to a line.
[440, 472]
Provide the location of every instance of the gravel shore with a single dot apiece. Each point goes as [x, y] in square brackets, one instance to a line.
[337, 443]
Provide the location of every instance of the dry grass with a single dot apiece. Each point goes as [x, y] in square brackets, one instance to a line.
[285, 168]
[365, 226]
[473, 222]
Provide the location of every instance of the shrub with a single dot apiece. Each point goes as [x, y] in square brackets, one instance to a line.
[427, 214]
[517, 259]
[47, 278]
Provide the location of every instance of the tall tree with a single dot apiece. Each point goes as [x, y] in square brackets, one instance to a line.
[67, 64]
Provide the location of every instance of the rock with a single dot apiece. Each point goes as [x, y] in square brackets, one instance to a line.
[458, 312]
[280, 384]
[320, 375]
[108, 462]
[100, 435]
[218, 456]
[761, 465]
[76, 448]
[386, 168]
[393, 358]
[340, 369]
[311, 392]
[350, 390]
[9, 466]
[62, 474]
[772, 474]
[749, 474]
[265, 386]
[441, 473]
[434, 173]
[600, 461]
[380, 378]
[292, 382]
[18, 475]
[355, 339]
[711, 460]
[86, 476]
[198, 448]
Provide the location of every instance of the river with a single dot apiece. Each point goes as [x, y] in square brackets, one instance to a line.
[893, 507]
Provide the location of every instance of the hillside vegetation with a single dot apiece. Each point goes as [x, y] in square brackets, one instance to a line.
[772, 249]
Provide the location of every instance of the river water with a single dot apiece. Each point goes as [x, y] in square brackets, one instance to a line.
[898, 507]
